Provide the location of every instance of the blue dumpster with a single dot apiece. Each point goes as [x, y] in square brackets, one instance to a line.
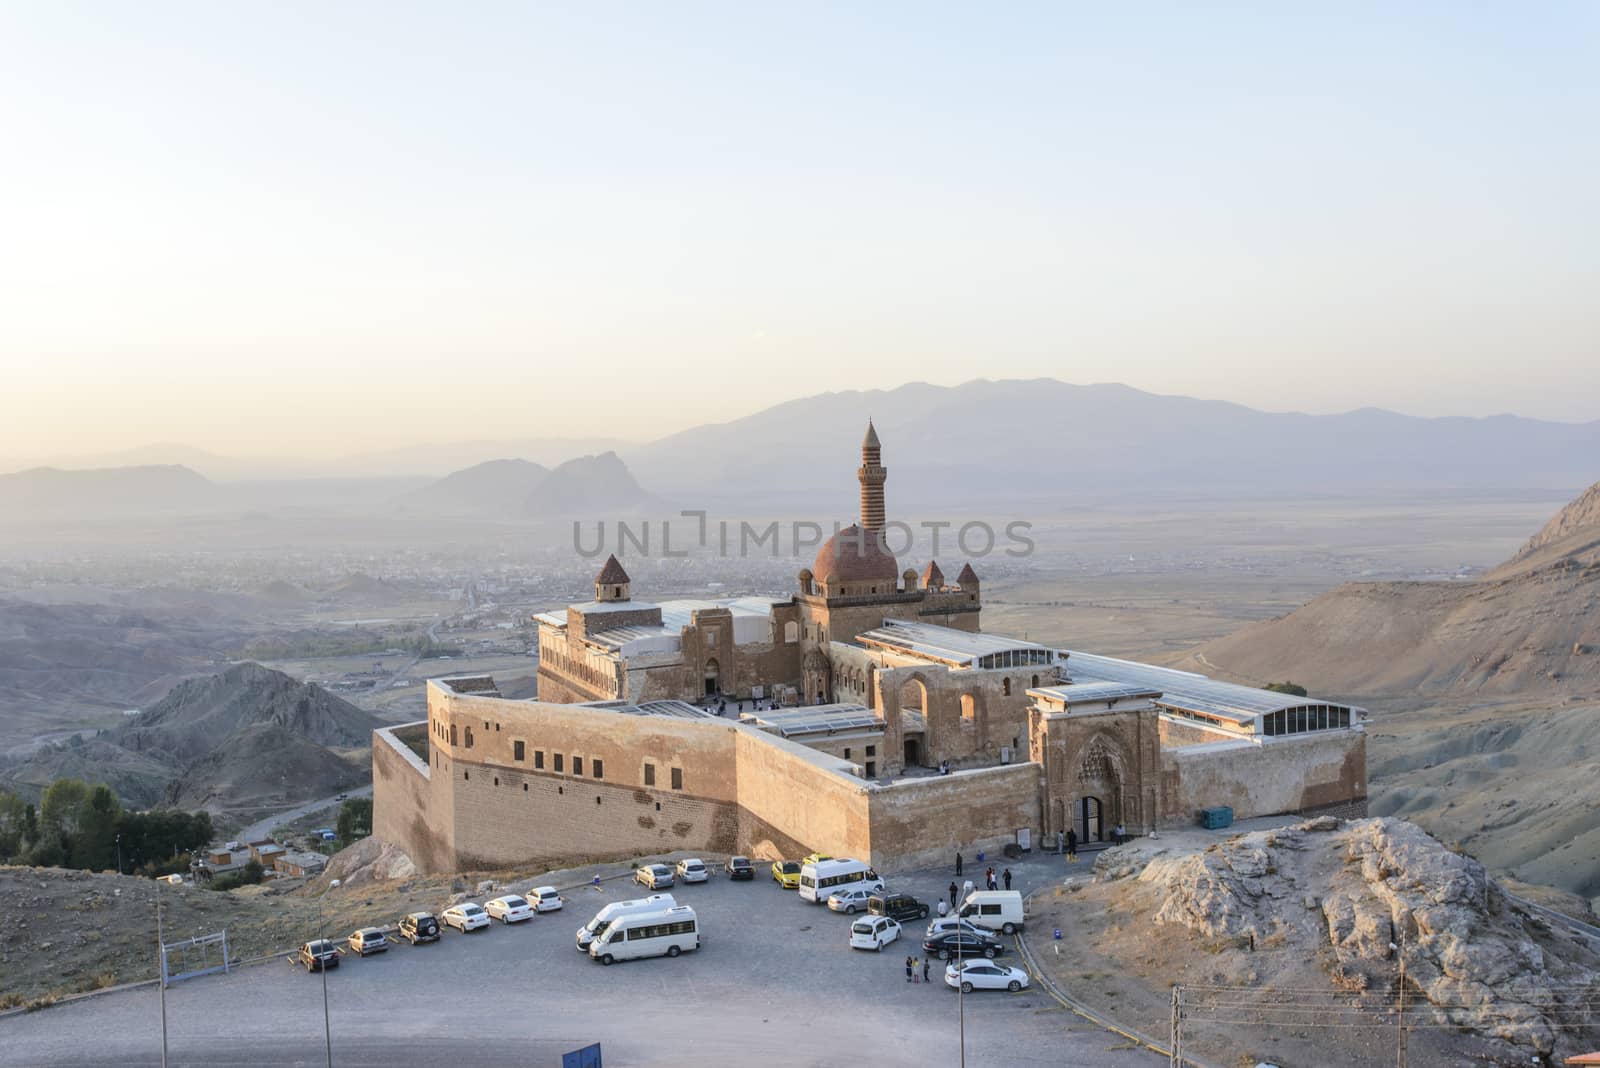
[1216, 818]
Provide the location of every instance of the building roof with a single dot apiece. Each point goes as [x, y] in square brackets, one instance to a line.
[932, 577]
[854, 555]
[479, 685]
[968, 577]
[612, 574]
[871, 440]
[673, 708]
[958, 648]
[1084, 692]
[1186, 691]
[816, 719]
[752, 623]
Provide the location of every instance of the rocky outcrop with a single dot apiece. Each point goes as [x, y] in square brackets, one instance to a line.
[1359, 895]
[369, 861]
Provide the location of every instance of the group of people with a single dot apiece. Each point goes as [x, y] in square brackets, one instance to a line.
[719, 705]
[911, 969]
[990, 882]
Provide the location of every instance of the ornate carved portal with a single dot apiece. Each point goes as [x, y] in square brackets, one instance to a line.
[1094, 786]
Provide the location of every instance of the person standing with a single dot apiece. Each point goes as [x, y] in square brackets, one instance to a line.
[909, 965]
[1007, 877]
[925, 969]
[953, 890]
[1072, 845]
[988, 878]
[958, 865]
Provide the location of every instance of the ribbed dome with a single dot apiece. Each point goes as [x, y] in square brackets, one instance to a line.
[854, 556]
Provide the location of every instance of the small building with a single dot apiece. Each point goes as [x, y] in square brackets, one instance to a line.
[298, 863]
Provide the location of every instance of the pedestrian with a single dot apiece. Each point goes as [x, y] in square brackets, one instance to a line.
[942, 909]
[1007, 878]
[953, 889]
[988, 878]
[925, 969]
[909, 965]
[958, 865]
[1072, 845]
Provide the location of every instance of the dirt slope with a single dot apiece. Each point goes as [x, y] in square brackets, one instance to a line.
[1530, 627]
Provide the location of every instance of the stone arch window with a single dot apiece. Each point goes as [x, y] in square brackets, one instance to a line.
[1005, 687]
[1035, 682]
[969, 710]
[791, 632]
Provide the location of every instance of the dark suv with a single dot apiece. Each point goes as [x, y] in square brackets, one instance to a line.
[741, 868]
[419, 927]
[318, 955]
[900, 907]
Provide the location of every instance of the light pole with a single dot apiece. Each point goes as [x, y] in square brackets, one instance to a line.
[327, 1029]
[119, 852]
[161, 959]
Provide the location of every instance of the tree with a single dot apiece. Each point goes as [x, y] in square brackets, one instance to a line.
[355, 820]
[1293, 689]
[95, 845]
[61, 806]
[252, 873]
[13, 816]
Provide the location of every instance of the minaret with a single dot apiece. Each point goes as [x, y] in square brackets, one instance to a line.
[872, 475]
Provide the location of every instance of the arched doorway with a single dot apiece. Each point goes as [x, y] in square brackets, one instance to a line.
[913, 753]
[713, 676]
[1086, 818]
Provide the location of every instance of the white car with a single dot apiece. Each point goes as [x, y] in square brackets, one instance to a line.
[467, 916]
[512, 908]
[972, 975]
[693, 870]
[546, 899]
[873, 932]
[850, 901]
[953, 923]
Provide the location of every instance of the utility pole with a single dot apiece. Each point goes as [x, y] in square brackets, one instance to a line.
[961, 994]
[1400, 1013]
[161, 951]
[327, 1027]
[119, 853]
[1175, 1028]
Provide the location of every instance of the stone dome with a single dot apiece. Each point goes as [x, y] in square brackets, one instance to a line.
[855, 556]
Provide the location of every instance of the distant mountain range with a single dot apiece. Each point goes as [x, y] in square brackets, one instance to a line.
[1039, 443]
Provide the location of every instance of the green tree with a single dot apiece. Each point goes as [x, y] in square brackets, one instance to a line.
[252, 873]
[62, 805]
[355, 820]
[95, 845]
[1293, 689]
[13, 817]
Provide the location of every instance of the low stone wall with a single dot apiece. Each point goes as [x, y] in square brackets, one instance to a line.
[1295, 773]
[923, 821]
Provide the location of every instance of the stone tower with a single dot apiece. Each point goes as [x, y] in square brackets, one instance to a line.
[872, 474]
[612, 584]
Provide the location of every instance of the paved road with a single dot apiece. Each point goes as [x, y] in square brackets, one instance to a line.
[774, 982]
[259, 830]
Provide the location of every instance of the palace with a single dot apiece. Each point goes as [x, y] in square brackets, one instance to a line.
[883, 724]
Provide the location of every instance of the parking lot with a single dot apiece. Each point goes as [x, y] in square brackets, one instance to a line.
[773, 981]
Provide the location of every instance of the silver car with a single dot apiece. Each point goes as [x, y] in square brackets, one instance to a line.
[850, 901]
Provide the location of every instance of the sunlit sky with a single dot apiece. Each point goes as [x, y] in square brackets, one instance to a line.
[294, 227]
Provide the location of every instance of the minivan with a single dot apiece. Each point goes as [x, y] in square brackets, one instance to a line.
[602, 919]
[901, 907]
[997, 910]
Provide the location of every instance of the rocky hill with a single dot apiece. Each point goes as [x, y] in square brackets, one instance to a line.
[586, 484]
[1530, 627]
[519, 489]
[247, 736]
[1297, 933]
[197, 716]
[494, 487]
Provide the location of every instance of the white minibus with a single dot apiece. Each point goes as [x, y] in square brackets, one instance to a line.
[602, 919]
[825, 877]
[647, 934]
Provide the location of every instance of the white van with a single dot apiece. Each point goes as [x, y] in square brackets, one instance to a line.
[647, 934]
[996, 910]
[826, 877]
[602, 919]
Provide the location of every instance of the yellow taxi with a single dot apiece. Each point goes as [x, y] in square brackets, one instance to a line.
[816, 858]
[786, 873]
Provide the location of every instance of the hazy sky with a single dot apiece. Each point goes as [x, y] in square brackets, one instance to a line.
[294, 227]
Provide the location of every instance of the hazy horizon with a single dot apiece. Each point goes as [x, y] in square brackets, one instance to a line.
[306, 230]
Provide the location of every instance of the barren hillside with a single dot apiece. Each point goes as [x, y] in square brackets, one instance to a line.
[1532, 627]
